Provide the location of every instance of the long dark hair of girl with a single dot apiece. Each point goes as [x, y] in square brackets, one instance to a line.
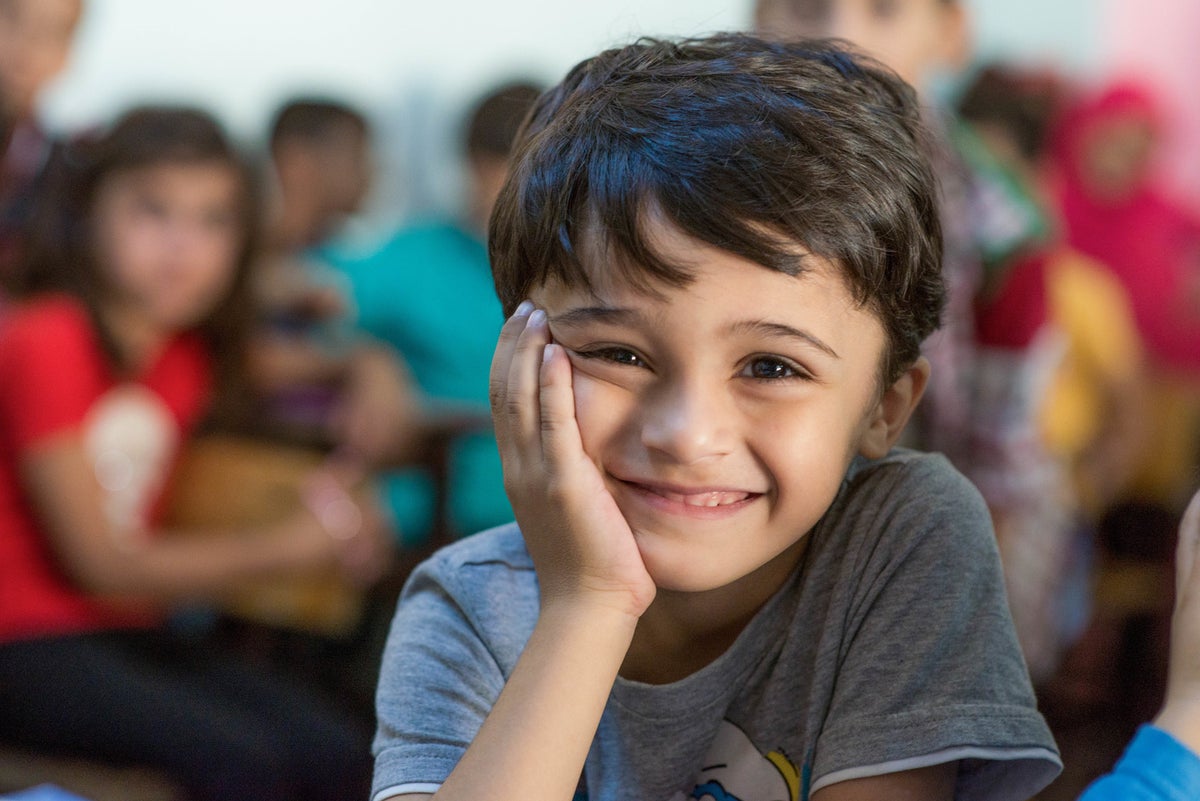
[61, 254]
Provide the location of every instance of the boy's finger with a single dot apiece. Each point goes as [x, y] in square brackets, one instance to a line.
[520, 402]
[502, 363]
[561, 441]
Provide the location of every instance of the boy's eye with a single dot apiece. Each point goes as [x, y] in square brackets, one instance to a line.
[614, 354]
[772, 368]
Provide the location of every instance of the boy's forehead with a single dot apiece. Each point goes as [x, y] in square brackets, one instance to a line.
[616, 279]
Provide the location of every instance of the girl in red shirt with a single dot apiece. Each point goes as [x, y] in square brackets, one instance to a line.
[137, 287]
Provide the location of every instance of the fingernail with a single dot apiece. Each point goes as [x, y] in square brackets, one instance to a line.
[524, 309]
[547, 353]
[538, 317]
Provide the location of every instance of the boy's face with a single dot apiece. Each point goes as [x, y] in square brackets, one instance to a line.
[35, 39]
[722, 414]
[913, 37]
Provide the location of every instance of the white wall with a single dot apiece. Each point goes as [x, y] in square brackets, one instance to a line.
[240, 56]
[1066, 33]
[414, 63]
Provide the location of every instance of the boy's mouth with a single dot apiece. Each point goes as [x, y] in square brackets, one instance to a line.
[708, 498]
[698, 497]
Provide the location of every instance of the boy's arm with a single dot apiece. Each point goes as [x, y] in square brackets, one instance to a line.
[536, 738]
[593, 585]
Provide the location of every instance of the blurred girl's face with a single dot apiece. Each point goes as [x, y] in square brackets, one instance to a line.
[1115, 156]
[168, 239]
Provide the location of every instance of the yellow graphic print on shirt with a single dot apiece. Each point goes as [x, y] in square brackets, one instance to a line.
[735, 771]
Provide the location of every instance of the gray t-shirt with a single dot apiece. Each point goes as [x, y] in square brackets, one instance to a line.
[890, 648]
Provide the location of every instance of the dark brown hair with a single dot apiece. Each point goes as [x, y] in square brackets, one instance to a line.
[314, 121]
[61, 254]
[752, 146]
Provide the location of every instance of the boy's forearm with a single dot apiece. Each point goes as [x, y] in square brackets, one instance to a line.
[535, 740]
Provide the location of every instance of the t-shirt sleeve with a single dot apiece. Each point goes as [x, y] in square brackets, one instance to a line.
[51, 373]
[437, 684]
[930, 671]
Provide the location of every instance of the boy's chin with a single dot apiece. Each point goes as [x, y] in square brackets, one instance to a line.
[684, 576]
[678, 568]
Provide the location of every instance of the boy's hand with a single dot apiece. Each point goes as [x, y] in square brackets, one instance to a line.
[582, 546]
[1181, 713]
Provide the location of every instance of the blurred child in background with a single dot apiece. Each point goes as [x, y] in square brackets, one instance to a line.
[428, 292]
[1134, 294]
[1104, 151]
[135, 316]
[1094, 416]
[35, 40]
[324, 378]
[1094, 420]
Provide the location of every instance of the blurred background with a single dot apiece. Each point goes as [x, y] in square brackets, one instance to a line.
[348, 319]
[414, 66]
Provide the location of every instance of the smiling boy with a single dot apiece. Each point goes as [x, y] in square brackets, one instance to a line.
[720, 257]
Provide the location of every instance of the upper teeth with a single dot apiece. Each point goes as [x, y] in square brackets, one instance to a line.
[707, 498]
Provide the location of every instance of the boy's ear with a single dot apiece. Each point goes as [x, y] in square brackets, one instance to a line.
[887, 419]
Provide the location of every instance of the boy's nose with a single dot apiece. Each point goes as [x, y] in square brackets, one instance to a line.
[688, 423]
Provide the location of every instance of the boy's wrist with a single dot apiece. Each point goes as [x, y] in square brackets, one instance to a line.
[599, 610]
[592, 596]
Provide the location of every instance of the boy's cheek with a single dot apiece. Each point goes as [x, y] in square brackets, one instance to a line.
[599, 411]
[586, 405]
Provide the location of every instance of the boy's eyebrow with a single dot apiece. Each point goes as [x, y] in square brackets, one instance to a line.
[766, 328]
[593, 314]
